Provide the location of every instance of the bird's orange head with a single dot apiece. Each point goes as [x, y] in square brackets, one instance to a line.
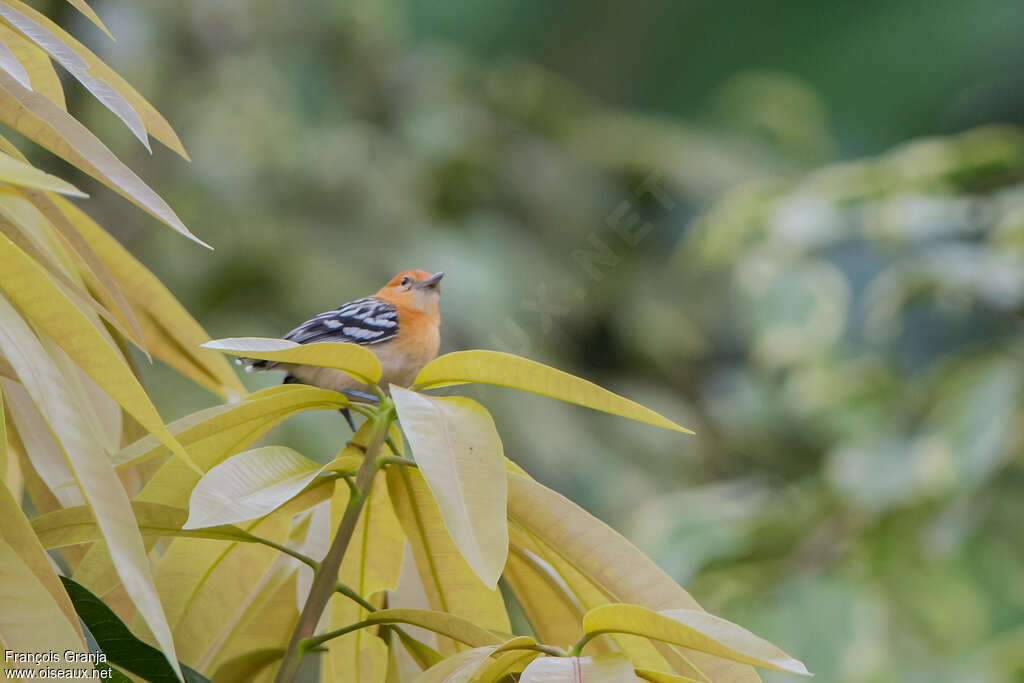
[415, 289]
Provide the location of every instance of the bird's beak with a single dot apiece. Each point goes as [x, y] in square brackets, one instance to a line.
[431, 282]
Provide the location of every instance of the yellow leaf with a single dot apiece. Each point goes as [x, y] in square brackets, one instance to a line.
[57, 400]
[245, 667]
[3, 440]
[498, 667]
[172, 326]
[249, 485]
[83, 7]
[460, 456]
[660, 677]
[351, 358]
[515, 372]
[371, 564]
[458, 668]
[449, 583]
[42, 121]
[42, 76]
[694, 629]
[10, 64]
[614, 565]
[601, 669]
[38, 297]
[76, 66]
[551, 608]
[155, 124]
[25, 175]
[17, 532]
[450, 625]
[31, 621]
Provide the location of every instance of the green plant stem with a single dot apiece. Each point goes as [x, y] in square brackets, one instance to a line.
[308, 644]
[304, 559]
[578, 647]
[326, 579]
[350, 593]
[395, 460]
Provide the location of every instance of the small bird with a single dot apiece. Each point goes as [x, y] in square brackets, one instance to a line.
[401, 324]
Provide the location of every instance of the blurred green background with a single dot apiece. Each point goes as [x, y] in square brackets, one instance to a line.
[728, 211]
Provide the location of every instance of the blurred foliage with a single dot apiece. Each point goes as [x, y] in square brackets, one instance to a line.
[845, 338]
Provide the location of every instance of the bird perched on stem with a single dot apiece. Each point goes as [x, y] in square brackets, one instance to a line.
[400, 324]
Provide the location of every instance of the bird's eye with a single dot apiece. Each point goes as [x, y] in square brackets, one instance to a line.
[406, 280]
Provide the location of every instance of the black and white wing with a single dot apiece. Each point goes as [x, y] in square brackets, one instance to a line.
[363, 321]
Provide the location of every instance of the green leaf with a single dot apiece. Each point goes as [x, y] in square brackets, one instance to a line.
[19, 173]
[460, 456]
[694, 629]
[515, 372]
[249, 485]
[609, 668]
[119, 644]
[357, 361]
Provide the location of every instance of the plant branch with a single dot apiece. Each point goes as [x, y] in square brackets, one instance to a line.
[325, 580]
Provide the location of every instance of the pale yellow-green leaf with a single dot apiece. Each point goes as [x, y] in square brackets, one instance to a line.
[460, 456]
[170, 327]
[3, 441]
[43, 77]
[249, 485]
[450, 625]
[449, 583]
[10, 64]
[17, 532]
[245, 667]
[31, 621]
[76, 66]
[371, 564]
[609, 668]
[612, 563]
[351, 358]
[499, 666]
[32, 291]
[508, 370]
[458, 668]
[155, 124]
[57, 399]
[694, 629]
[661, 677]
[83, 7]
[551, 608]
[19, 173]
[42, 121]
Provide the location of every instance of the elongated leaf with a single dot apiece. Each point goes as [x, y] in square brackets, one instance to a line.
[19, 173]
[371, 564]
[42, 121]
[600, 669]
[244, 668]
[499, 666]
[460, 456]
[43, 78]
[155, 124]
[552, 609]
[694, 629]
[30, 619]
[76, 66]
[3, 440]
[458, 668]
[29, 288]
[119, 644]
[661, 677]
[56, 399]
[172, 326]
[507, 370]
[612, 563]
[17, 533]
[10, 64]
[450, 625]
[351, 358]
[70, 526]
[249, 485]
[83, 7]
[450, 585]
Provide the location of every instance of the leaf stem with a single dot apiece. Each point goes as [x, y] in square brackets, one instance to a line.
[304, 559]
[307, 644]
[578, 647]
[395, 460]
[351, 594]
[325, 580]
